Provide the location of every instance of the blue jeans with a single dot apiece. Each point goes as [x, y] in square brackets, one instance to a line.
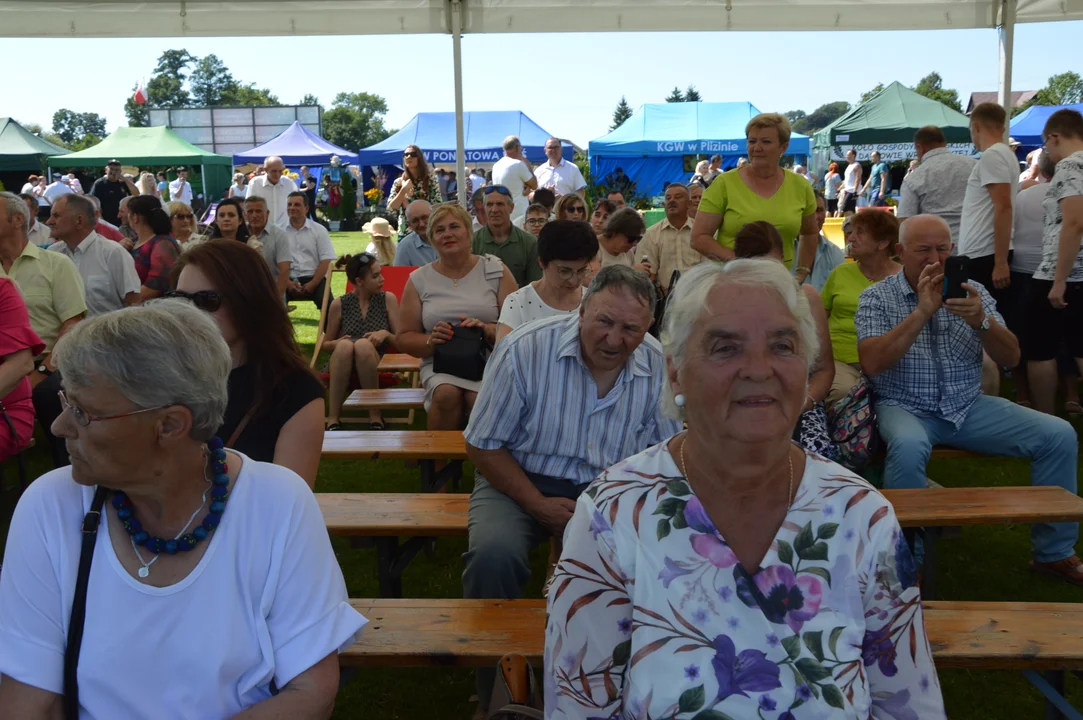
[993, 426]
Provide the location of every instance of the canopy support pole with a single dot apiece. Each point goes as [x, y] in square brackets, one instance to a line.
[1006, 33]
[455, 14]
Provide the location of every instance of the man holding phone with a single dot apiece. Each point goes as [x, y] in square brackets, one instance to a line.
[924, 355]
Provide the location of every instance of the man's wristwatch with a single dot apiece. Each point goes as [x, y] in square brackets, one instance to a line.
[986, 323]
[41, 368]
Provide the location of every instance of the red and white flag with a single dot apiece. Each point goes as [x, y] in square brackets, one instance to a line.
[141, 93]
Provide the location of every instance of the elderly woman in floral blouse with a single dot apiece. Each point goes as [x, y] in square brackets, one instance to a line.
[726, 570]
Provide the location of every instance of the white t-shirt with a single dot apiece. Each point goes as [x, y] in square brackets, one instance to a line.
[850, 183]
[55, 191]
[180, 191]
[266, 602]
[525, 305]
[562, 179]
[996, 165]
[514, 175]
[1028, 217]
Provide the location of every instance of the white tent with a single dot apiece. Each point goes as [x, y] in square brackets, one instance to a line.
[203, 18]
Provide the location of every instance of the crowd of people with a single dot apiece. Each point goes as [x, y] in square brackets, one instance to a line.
[622, 396]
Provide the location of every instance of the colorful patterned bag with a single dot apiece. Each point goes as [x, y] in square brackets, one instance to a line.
[852, 424]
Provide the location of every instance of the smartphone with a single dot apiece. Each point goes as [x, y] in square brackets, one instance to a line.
[956, 272]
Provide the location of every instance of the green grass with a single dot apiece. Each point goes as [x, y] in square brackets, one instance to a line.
[986, 563]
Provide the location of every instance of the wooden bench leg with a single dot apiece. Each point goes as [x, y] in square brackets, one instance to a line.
[928, 565]
[432, 480]
[392, 559]
[1051, 685]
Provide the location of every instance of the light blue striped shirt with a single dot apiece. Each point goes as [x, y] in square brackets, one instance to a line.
[540, 402]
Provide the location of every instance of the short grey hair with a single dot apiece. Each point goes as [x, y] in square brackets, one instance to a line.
[273, 159]
[124, 200]
[15, 205]
[511, 142]
[1046, 166]
[412, 208]
[623, 277]
[166, 352]
[248, 200]
[82, 206]
[918, 219]
[688, 301]
[95, 201]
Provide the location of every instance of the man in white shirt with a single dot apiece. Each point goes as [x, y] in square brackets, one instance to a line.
[74, 184]
[512, 172]
[477, 180]
[180, 189]
[274, 244]
[38, 234]
[985, 231]
[107, 269]
[56, 189]
[667, 245]
[937, 185]
[311, 250]
[557, 174]
[274, 189]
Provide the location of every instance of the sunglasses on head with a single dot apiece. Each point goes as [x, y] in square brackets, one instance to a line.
[205, 300]
[489, 190]
[410, 153]
[366, 259]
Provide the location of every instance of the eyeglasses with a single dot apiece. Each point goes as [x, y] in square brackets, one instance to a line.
[184, 216]
[410, 153]
[83, 418]
[535, 221]
[490, 189]
[205, 300]
[418, 218]
[577, 210]
[567, 273]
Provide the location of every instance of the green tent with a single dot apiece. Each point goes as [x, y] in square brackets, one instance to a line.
[153, 146]
[21, 149]
[887, 122]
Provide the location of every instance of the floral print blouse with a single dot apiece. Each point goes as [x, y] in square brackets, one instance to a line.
[431, 194]
[651, 615]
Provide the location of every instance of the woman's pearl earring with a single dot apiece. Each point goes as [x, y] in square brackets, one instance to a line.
[679, 400]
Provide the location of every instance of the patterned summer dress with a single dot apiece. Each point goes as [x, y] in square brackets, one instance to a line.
[355, 325]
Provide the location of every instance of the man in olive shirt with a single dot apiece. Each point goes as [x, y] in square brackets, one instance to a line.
[515, 246]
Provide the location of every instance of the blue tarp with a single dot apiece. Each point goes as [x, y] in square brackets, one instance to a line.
[296, 145]
[483, 132]
[1027, 126]
[650, 146]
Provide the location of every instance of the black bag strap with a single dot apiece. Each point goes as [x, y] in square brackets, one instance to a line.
[78, 606]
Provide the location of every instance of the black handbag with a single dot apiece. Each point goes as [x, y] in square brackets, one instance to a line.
[464, 355]
[78, 607]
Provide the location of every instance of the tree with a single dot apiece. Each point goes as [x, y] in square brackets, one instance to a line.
[675, 96]
[622, 113]
[1063, 89]
[249, 95]
[871, 93]
[355, 120]
[87, 141]
[32, 127]
[309, 99]
[931, 86]
[795, 115]
[692, 95]
[821, 117]
[72, 126]
[165, 89]
[211, 80]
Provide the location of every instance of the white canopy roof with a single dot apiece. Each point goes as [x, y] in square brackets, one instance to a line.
[174, 18]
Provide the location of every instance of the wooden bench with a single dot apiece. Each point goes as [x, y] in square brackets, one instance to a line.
[399, 362]
[387, 517]
[426, 446]
[385, 399]
[1030, 637]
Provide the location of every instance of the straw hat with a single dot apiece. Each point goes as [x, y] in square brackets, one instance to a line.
[379, 227]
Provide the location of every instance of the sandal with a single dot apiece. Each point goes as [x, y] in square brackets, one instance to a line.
[334, 427]
[376, 426]
[1073, 408]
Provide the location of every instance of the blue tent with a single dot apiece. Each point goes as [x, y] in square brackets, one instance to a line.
[483, 132]
[1027, 126]
[296, 145]
[650, 146]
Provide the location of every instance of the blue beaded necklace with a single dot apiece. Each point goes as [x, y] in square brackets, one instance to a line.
[188, 541]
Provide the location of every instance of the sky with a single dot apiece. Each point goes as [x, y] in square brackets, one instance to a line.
[567, 83]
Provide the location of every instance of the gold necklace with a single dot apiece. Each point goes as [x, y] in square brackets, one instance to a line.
[789, 460]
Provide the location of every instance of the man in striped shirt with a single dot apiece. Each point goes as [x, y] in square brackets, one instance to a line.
[563, 399]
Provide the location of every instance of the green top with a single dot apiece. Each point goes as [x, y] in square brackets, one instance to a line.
[738, 205]
[840, 294]
[519, 252]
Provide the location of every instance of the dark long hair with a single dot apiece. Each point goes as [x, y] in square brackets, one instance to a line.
[150, 210]
[422, 168]
[248, 292]
[242, 230]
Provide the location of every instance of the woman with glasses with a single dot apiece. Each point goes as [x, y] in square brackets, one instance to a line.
[213, 590]
[458, 289]
[275, 410]
[183, 223]
[229, 221]
[361, 325]
[417, 182]
[565, 249]
[571, 207]
[154, 251]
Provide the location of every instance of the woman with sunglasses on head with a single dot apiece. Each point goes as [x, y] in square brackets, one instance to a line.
[209, 587]
[275, 410]
[154, 250]
[572, 207]
[623, 231]
[417, 182]
[185, 230]
[362, 323]
[565, 249]
[459, 288]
